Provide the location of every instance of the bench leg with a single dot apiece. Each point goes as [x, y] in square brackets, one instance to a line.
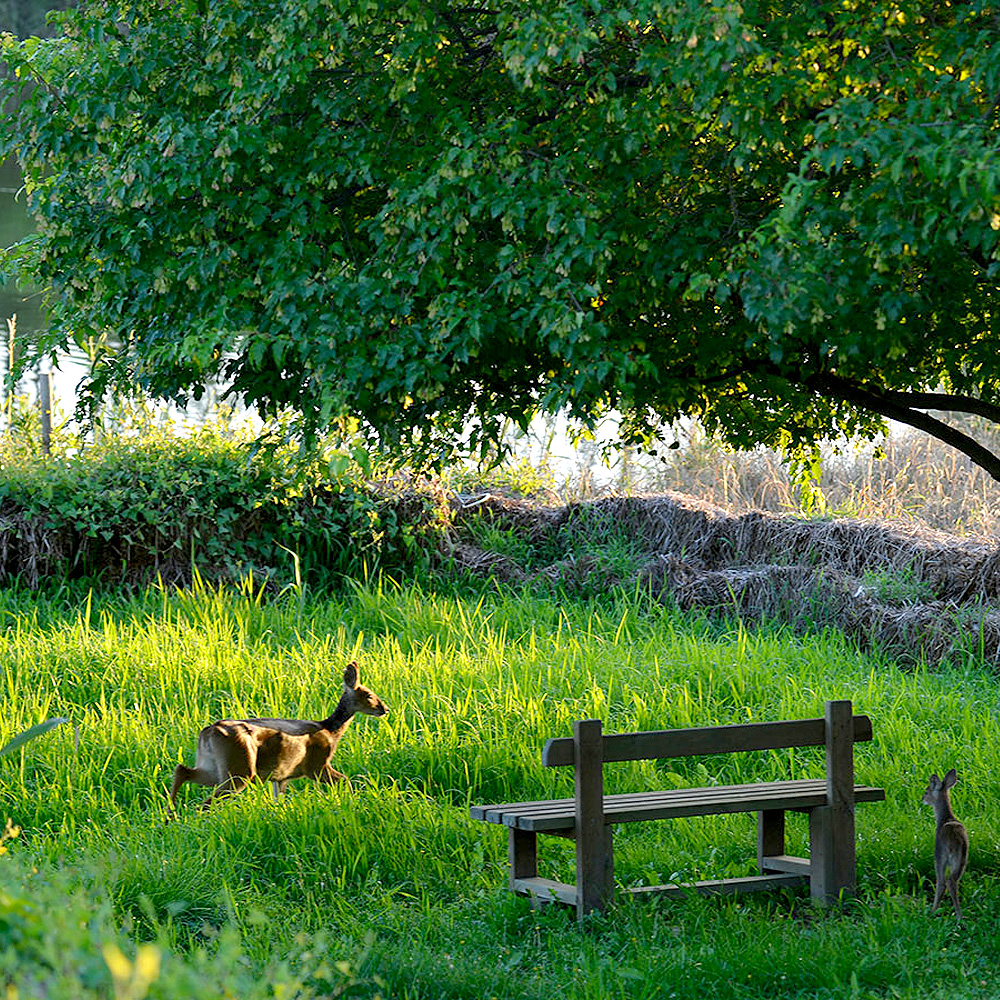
[595, 870]
[831, 854]
[522, 851]
[770, 835]
[831, 827]
[594, 863]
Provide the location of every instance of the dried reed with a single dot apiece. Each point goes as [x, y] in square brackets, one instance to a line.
[804, 572]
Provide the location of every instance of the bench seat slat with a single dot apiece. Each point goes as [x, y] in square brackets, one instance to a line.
[555, 814]
[486, 812]
[800, 788]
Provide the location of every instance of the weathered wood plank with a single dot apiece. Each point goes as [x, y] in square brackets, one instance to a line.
[546, 890]
[786, 863]
[665, 743]
[803, 794]
[807, 785]
[640, 812]
[663, 805]
[494, 813]
[594, 858]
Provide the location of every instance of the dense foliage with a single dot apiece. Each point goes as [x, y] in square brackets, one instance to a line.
[56, 943]
[781, 218]
[144, 504]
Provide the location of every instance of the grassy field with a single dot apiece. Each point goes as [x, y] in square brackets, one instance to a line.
[390, 889]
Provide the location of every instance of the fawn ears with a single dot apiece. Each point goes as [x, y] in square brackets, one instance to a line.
[936, 785]
[351, 675]
[933, 789]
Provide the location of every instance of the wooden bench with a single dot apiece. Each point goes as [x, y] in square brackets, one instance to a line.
[587, 818]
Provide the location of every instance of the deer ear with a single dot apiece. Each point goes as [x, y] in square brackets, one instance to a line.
[950, 779]
[351, 675]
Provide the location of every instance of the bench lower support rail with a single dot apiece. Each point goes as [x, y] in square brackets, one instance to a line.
[787, 864]
[725, 886]
[546, 890]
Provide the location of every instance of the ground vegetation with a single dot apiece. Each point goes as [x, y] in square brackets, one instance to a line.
[390, 890]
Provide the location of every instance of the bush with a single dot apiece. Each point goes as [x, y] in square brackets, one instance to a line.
[59, 939]
[146, 504]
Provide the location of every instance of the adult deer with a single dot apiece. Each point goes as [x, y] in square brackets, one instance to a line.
[234, 752]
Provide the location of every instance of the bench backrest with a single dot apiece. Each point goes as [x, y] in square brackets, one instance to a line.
[589, 750]
[663, 743]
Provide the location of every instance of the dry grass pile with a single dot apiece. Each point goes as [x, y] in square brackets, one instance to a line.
[909, 589]
[904, 476]
[478, 561]
[711, 538]
[532, 521]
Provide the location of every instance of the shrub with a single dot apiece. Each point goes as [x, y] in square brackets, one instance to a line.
[147, 504]
[59, 939]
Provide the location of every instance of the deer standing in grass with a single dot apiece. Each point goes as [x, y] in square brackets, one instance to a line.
[951, 841]
[233, 753]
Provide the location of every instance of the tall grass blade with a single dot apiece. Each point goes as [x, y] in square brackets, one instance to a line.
[29, 734]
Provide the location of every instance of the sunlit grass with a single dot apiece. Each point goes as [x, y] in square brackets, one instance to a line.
[403, 884]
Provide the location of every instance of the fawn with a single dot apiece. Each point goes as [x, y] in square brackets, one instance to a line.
[233, 753]
[951, 841]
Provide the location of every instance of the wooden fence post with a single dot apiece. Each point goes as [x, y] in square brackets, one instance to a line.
[45, 405]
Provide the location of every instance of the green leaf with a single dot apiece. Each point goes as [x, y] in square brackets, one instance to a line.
[29, 734]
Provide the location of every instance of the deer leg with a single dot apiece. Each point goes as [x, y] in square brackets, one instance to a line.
[953, 891]
[182, 775]
[234, 784]
[938, 889]
[328, 776]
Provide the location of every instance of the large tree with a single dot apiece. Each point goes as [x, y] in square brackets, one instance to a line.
[435, 216]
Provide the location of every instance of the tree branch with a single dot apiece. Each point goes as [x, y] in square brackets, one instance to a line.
[945, 401]
[898, 406]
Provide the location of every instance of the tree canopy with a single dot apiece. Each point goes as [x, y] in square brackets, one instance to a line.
[435, 217]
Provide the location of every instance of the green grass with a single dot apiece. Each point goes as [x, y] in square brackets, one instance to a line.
[589, 552]
[390, 889]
